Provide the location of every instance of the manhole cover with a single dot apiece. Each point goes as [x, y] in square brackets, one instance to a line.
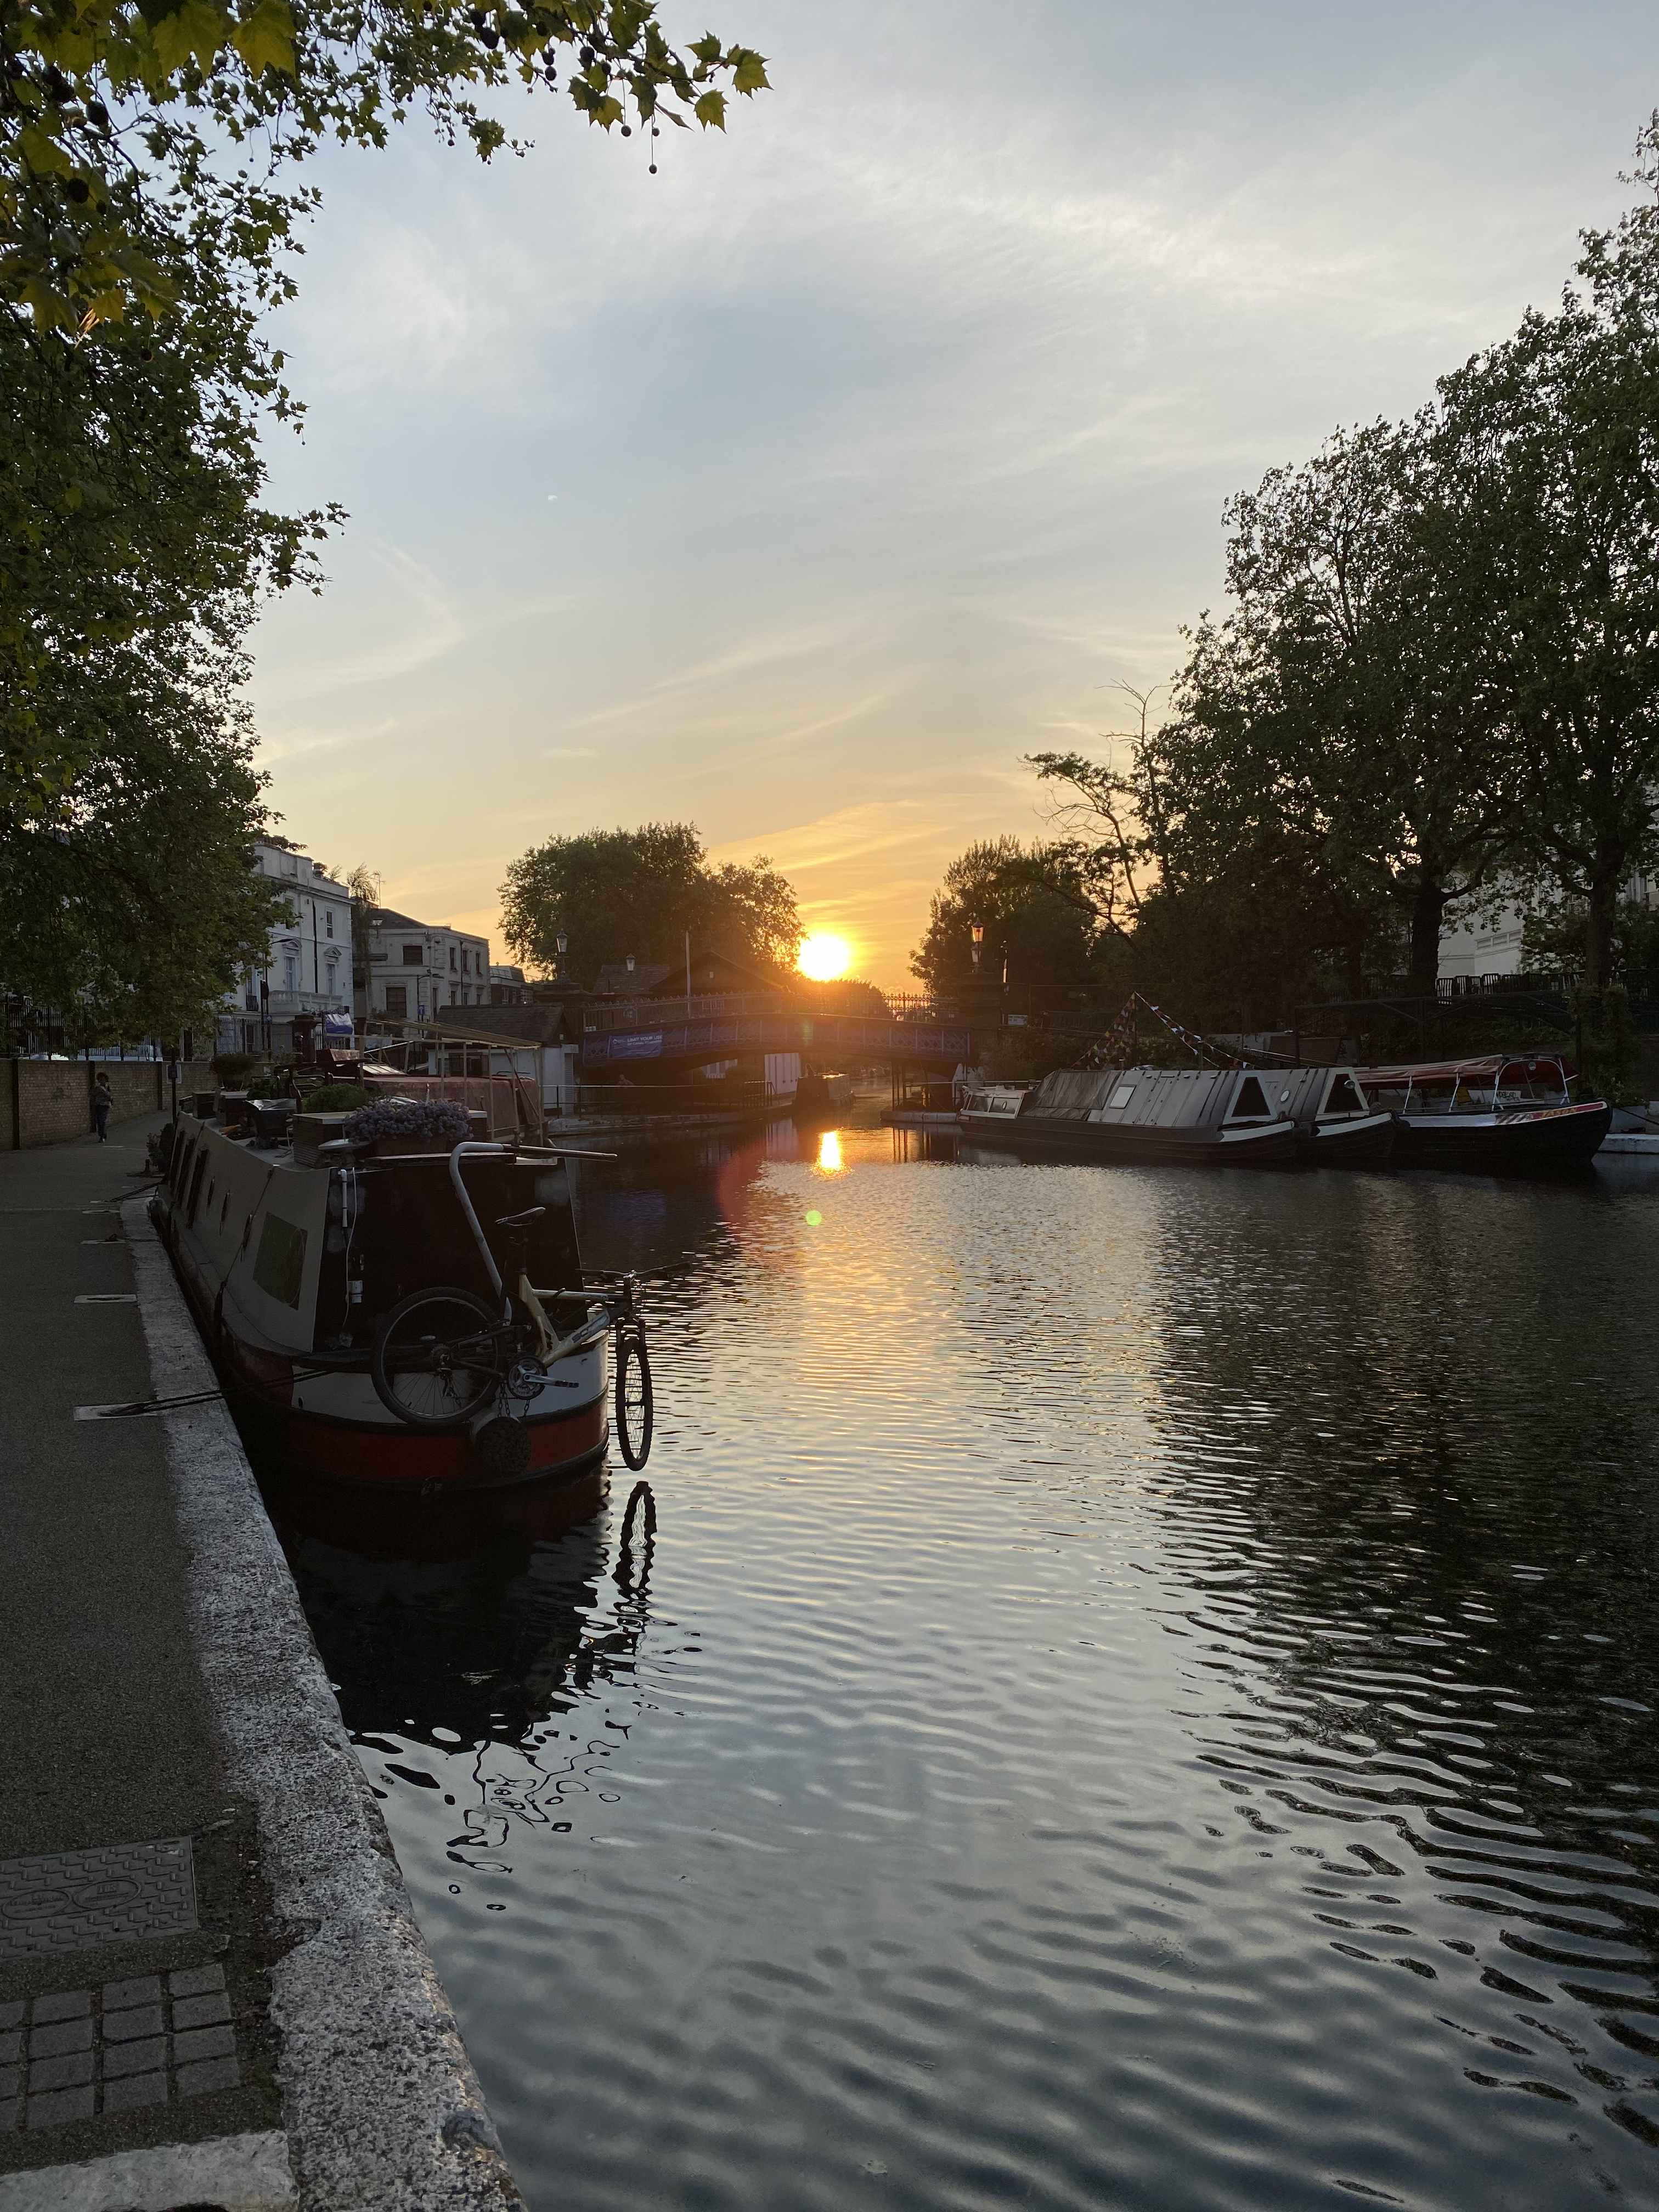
[69, 1900]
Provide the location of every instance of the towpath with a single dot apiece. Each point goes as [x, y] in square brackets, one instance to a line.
[189, 1862]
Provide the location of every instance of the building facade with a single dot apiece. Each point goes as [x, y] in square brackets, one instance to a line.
[1489, 947]
[407, 970]
[308, 962]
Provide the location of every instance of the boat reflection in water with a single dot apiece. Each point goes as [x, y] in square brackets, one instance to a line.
[489, 1622]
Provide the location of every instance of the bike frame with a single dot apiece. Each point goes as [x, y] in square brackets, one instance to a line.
[550, 1345]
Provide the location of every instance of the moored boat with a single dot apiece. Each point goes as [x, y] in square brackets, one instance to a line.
[1210, 1116]
[1337, 1125]
[1502, 1113]
[295, 1263]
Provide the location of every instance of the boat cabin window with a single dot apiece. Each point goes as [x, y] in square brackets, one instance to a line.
[279, 1265]
[1122, 1095]
[182, 1155]
[1432, 1096]
[195, 1190]
[224, 1210]
[1540, 1083]
[1250, 1105]
[1343, 1096]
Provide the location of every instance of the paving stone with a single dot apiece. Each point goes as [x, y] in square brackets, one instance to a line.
[204, 2043]
[136, 2089]
[11, 2081]
[143, 1989]
[11, 2050]
[134, 2057]
[67, 2004]
[195, 1981]
[63, 2035]
[66, 2073]
[63, 2105]
[141, 2019]
[199, 2012]
[11, 2015]
[209, 2074]
[8, 2112]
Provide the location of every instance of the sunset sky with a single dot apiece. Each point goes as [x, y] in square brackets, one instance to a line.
[799, 489]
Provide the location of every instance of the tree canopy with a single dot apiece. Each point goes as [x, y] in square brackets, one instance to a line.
[617, 891]
[129, 904]
[1435, 679]
[126, 125]
[1038, 926]
[154, 167]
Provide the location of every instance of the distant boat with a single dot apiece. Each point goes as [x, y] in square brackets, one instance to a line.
[1212, 1116]
[1505, 1113]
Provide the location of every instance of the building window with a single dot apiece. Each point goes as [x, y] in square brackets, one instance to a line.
[452, 960]
[413, 956]
[330, 918]
[290, 972]
[397, 999]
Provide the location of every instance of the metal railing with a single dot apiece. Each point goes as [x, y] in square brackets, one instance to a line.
[282, 1004]
[607, 1099]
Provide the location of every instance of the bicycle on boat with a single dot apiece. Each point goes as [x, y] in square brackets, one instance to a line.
[441, 1355]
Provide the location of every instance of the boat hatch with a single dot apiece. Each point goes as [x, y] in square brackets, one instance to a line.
[1342, 1097]
[1251, 1102]
[1121, 1098]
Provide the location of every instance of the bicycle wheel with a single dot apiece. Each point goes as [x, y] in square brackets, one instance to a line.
[634, 1401]
[439, 1357]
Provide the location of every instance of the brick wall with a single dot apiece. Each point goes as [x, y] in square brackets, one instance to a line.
[49, 1102]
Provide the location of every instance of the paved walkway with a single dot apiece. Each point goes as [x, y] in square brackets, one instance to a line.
[118, 2027]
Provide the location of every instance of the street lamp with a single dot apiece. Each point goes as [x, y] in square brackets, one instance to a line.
[561, 945]
[978, 933]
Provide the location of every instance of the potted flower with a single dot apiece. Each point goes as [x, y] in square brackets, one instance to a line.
[392, 1126]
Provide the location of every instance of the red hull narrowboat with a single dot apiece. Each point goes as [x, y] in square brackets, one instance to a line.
[292, 1259]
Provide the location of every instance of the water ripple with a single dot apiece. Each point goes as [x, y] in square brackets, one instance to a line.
[1141, 1695]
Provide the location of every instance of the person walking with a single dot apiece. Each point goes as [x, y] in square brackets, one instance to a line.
[102, 1099]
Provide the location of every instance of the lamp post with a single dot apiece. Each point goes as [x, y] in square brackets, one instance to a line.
[978, 933]
[561, 945]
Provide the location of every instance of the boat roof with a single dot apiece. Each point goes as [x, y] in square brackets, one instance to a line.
[1489, 1064]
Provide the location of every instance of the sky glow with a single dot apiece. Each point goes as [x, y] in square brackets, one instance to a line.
[800, 490]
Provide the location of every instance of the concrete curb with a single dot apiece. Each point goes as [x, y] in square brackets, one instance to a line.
[379, 2101]
[232, 2173]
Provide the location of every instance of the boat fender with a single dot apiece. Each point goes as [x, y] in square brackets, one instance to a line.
[501, 1450]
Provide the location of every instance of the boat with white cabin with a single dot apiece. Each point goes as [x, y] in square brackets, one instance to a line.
[1501, 1113]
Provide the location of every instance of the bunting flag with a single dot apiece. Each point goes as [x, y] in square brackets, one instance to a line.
[1117, 1047]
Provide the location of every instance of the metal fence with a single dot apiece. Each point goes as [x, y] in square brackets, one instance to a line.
[605, 1099]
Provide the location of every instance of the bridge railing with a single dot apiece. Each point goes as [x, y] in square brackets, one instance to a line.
[716, 1005]
[628, 1099]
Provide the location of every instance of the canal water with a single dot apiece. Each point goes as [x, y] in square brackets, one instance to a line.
[1141, 1693]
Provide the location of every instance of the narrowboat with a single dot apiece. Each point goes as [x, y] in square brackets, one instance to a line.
[1505, 1113]
[1211, 1116]
[1337, 1126]
[293, 1259]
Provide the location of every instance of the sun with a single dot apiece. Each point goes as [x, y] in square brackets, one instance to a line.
[823, 957]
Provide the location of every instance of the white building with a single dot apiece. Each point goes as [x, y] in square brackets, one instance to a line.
[407, 970]
[1489, 946]
[307, 967]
